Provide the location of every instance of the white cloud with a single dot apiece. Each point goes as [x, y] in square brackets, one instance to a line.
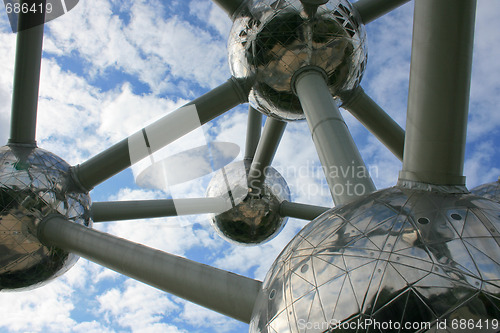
[201, 318]
[158, 51]
[485, 87]
[46, 308]
[481, 166]
[208, 12]
[137, 307]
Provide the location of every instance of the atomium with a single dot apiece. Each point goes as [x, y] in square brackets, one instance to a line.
[398, 254]
[34, 183]
[273, 40]
[253, 219]
[401, 255]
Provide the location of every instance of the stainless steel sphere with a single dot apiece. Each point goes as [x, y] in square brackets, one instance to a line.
[33, 184]
[397, 257]
[490, 190]
[251, 220]
[271, 40]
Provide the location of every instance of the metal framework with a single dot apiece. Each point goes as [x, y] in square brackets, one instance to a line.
[432, 149]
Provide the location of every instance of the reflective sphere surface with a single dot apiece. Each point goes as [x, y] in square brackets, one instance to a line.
[251, 220]
[490, 190]
[400, 256]
[272, 40]
[33, 184]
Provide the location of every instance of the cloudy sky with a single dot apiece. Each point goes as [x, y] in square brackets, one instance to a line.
[111, 67]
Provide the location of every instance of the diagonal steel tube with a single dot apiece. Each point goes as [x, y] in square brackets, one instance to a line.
[438, 98]
[370, 10]
[26, 78]
[229, 6]
[345, 171]
[222, 291]
[172, 126]
[301, 211]
[254, 128]
[374, 118]
[264, 155]
[143, 209]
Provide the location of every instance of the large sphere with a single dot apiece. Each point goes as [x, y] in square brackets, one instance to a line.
[271, 40]
[33, 184]
[490, 190]
[252, 220]
[396, 256]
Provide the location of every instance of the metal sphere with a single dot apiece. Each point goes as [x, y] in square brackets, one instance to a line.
[251, 220]
[271, 40]
[33, 184]
[490, 190]
[399, 256]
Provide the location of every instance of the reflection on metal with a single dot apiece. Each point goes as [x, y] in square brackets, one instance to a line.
[253, 219]
[397, 255]
[490, 190]
[33, 184]
[187, 165]
[271, 40]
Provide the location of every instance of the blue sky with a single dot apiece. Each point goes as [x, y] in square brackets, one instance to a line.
[111, 67]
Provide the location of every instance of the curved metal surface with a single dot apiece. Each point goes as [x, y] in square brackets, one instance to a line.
[251, 219]
[272, 40]
[33, 184]
[489, 190]
[398, 255]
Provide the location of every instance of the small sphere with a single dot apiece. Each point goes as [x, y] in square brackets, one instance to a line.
[33, 184]
[252, 220]
[490, 190]
[397, 255]
[271, 40]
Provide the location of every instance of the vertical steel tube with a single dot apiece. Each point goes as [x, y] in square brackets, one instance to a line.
[266, 149]
[26, 78]
[361, 106]
[345, 171]
[117, 158]
[438, 101]
[254, 127]
[225, 292]
[370, 10]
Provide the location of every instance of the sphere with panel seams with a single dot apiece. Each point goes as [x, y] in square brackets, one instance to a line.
[248, 219]
[489, 190]
[34, 183]
[271, 40]
[397, 256]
